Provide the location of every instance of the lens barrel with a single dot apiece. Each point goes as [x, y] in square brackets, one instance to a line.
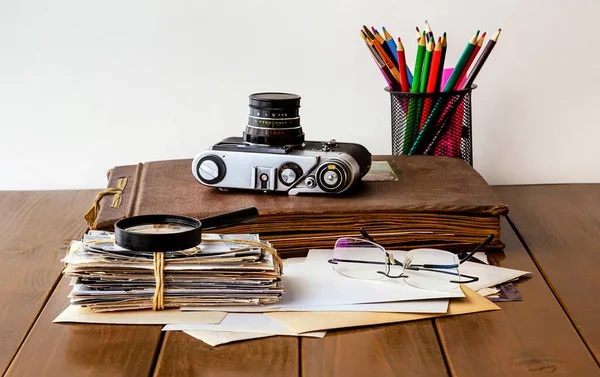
[274, 119]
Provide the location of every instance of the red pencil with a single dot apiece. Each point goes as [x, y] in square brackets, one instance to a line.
[461, 79]
[402, 67]
[435, 66]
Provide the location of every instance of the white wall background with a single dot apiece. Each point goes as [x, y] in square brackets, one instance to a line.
[87, 85]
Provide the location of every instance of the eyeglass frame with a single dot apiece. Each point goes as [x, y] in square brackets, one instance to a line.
[390, 260]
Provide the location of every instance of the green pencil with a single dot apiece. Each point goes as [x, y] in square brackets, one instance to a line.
[426, 66]
[462, 62]
[411, 118]
[416, 84]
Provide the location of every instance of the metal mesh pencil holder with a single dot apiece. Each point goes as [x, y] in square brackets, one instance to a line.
[436, 124]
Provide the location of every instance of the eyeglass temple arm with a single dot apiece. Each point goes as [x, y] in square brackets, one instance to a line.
[484, 243]
[366, 235]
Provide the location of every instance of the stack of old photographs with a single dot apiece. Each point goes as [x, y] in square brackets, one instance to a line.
[106, 277]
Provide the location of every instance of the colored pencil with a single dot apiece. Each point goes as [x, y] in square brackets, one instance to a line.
[435, 65]
[387, 74]
[438, 85]
[469, 82]
[426, 66]
[413, 116]
[432, 81]
[378, 36]
[482, 58]
[442, 105]
[388, 37]
[391, 53]
[416, 84]
[402, 67]
[391, 46]
[383, 55]
[462, 62]
[428, 28]
[424, 80]
[473, 55]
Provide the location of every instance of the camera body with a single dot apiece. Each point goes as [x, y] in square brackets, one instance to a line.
[272, 155]
[312, 167]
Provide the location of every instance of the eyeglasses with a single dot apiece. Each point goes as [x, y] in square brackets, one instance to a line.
[430, 269]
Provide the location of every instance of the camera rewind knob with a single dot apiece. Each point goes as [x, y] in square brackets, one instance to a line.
[211, 169]
[288, 176]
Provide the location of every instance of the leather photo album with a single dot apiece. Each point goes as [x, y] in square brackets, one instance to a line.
[438, 202]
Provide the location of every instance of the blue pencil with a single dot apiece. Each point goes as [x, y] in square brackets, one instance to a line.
[389, 40]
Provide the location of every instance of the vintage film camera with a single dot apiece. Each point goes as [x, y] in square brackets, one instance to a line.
[272, 155]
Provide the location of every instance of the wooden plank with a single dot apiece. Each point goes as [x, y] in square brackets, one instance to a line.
[81, 349]
[183, 355]
[530, 337]
[404, 349]
[35, 228]
[561, 226]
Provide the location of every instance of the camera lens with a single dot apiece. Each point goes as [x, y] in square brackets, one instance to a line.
[274, 119]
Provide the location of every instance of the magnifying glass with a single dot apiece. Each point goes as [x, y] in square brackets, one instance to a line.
[160, 233]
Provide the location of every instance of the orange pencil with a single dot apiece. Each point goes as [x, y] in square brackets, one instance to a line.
[461, 80]
[386, 59]
[387, 75]
[402, 67]
[377, 36]
[371, 40]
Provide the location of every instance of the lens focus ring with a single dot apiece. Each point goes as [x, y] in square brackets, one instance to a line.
[274, 119]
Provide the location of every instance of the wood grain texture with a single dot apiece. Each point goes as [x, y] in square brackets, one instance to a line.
[404, 349]
[183, 355]
[531, 337]
[76, 349]
[561, 226]
[35, 228]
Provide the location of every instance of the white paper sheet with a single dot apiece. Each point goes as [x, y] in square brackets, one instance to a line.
[488, 275]
[319, 288]
[241, 322]
[317, 284]
[419, 306]
[482, 256]
[74, 313]
[215, 338]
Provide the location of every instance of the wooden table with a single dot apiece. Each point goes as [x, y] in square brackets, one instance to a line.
[552, 230]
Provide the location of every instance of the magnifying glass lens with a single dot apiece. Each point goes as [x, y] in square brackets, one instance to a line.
[159, 228]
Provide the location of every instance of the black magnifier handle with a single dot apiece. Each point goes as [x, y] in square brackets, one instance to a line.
[229, 218]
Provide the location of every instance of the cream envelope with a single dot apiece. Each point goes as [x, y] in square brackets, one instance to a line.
[215, 338]
[301, 322]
